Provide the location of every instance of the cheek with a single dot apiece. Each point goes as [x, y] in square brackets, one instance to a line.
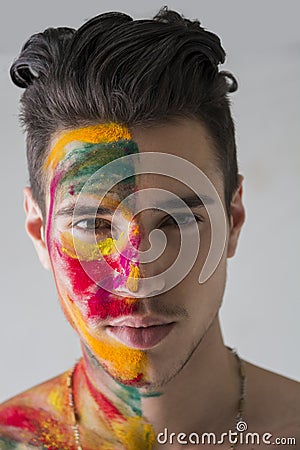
[82, 299]
[75, 280]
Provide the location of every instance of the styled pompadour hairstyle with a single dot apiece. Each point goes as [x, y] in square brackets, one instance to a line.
[132, 72]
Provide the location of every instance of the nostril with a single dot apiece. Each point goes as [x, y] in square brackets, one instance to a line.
[141, 287]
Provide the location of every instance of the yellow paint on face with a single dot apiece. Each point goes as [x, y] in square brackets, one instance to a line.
[125, 363]
[90, 251]
[107, 132]
[132, 282]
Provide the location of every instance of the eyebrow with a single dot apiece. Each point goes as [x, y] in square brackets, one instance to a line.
[192, 201]
[84, 211]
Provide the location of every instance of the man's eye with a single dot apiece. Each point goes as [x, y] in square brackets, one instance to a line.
[182, 220]
[93, 224]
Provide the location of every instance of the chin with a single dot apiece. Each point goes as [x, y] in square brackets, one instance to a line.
[158, 376]
[151, 381]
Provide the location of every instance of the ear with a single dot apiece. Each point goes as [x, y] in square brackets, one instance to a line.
[237, 218]
[34, 225]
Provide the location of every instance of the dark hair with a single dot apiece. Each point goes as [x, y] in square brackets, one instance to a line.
[133, 72]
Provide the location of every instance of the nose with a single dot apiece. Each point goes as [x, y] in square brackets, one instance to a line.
[142, 282]
[145, 275]
[144, 279]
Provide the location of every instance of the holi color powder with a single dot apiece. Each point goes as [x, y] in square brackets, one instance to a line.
[110, 411]
[92, 148]
[125, 364]
[84, 160]
[84, 302]
[99, 303]
[47, 431]
[132, 431]
[93, 135]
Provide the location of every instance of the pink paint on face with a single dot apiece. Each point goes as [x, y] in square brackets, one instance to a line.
[97, 302]
[94, 301]
[82, 248]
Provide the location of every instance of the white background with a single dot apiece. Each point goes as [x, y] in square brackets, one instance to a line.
[260, 315]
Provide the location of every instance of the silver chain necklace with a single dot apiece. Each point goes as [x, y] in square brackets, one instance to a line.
[240, 423]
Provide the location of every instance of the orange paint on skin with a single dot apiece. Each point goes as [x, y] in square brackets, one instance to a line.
[51, 421]
[128, 425]
[109, 132]
[125, 363]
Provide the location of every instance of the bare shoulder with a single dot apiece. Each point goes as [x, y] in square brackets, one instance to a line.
[36, 417]
[11, 444]
[272, 403]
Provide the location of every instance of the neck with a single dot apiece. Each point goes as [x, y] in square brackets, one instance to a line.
[203, 396]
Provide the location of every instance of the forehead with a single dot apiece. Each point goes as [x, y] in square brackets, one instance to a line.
[82, 151]
[186, 138]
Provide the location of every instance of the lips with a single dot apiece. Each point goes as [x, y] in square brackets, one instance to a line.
[139, 321]
[141, 333]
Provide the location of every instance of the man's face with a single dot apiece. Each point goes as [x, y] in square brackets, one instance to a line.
[132, 329]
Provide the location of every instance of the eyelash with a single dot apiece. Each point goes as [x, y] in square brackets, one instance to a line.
[107, 223]
[174, 223]
[93, 222]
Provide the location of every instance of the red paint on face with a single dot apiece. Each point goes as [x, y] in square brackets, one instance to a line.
[135, 380]
[109, 307]
[98, 302]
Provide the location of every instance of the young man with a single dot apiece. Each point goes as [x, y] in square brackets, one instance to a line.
[135, 205]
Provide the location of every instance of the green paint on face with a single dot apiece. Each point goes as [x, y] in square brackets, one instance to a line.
[82, 162]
